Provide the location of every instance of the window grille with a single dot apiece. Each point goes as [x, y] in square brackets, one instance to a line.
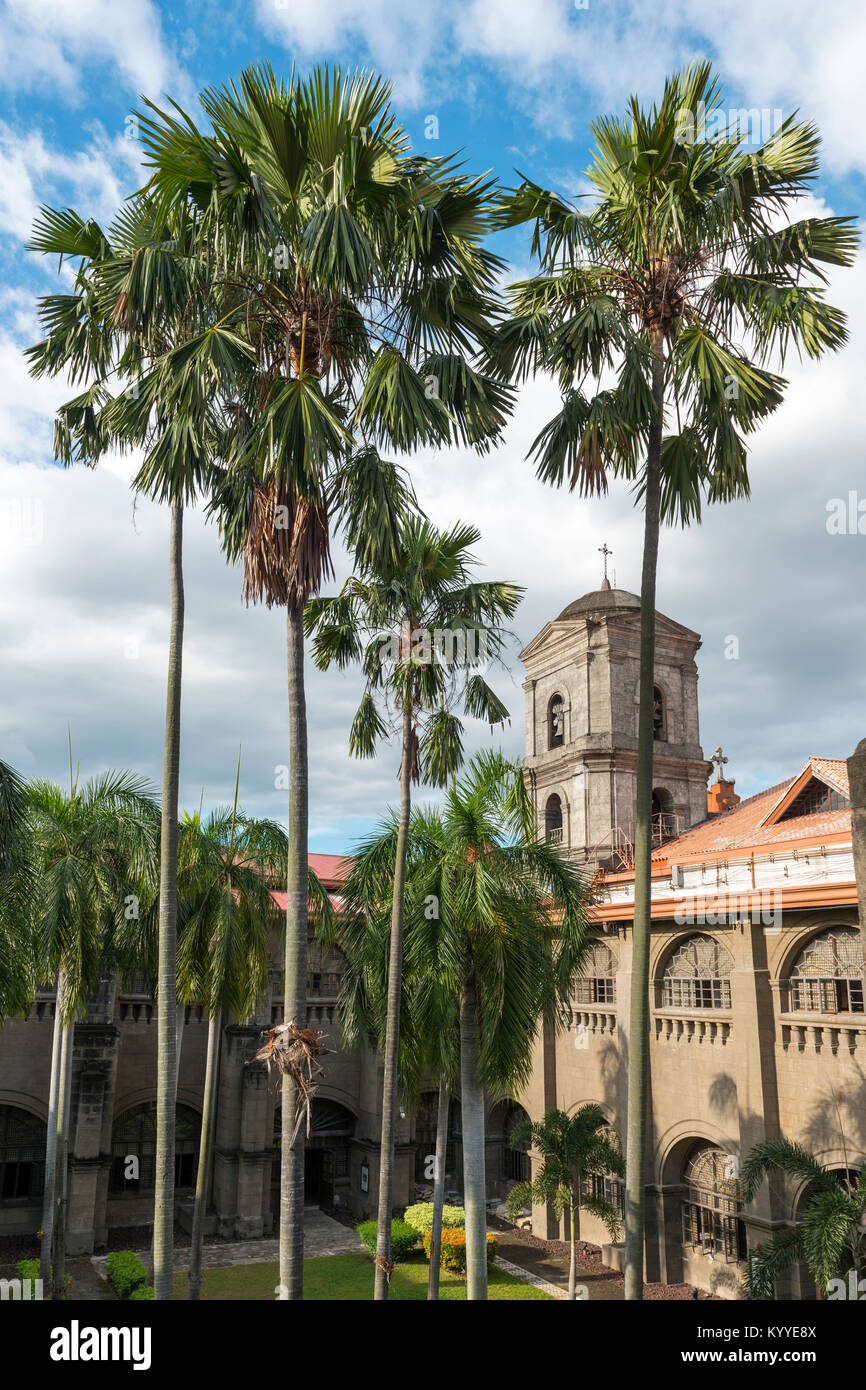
[698, 976]
[710, 1211]
[22, 1155]
[827, 977]
[598, 985]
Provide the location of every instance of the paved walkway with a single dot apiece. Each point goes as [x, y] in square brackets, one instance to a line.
[322, 1236]
[541, 1267]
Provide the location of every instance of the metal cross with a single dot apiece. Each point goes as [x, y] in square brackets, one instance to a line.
[603, 550]
[719, 759]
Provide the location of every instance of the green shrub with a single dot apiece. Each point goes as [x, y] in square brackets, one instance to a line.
[28, 1269]
[454, 1249]
[125, 1272]
[421, 1217]
[403, 1238]
[143, 1291]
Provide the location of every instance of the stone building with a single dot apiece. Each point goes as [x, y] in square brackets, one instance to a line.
[757, 1015]
[757, 1024]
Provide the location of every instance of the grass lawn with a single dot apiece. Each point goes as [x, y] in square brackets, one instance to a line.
[348, 1277]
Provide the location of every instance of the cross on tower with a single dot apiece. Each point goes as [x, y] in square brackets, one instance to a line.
[719, 759]
[603, 550]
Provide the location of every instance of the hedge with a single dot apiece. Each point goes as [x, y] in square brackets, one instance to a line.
[454, 1248]
[28, 1269]
[421, 1217]
[403, 1238]
[142, 1292]
[125, 1272]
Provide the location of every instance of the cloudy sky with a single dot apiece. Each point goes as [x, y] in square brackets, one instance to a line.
[83, 588]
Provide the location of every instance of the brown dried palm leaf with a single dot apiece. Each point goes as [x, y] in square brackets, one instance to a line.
[287, 549]
[295, 1052]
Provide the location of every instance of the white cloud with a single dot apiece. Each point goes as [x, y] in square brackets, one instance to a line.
[556, 55]
[95, 179]
[52, 42]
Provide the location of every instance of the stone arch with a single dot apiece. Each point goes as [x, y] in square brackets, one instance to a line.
[555, 722]
[822, 970]
[554, 818]
[673, 1147]
[22, 1154]
[133, 1134]
[326, 1151]
[693, 972]
[507, 1163]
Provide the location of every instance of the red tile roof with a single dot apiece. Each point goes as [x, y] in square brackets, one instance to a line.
[743, 827]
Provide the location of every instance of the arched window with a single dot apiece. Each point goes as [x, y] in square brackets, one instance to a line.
[697, 976]
[658, 714]
[665, 821]
[712, 1204]
[607, 1185]
[553, 820]
[556, 722]
[22, 1155]
[598, 985]
[827, 976]
[134, 1136]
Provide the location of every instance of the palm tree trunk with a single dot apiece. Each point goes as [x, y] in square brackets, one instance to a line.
[392, 1023]
[64, 1106]
[205, 1155]
[635, 1191]
[572, 1263]
[438, 1191]
[166, 1078]
[50, 1196]
[474, 1179]
[295, 993]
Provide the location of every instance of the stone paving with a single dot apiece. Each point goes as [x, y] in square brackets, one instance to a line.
[322, 1236]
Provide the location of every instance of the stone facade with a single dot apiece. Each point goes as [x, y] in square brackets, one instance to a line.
[581, 723]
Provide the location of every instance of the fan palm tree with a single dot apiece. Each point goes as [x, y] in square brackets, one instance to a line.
[93, 852]
[498, 920]
[830, 1237]
[658, 310]
[142, 328]
[570, 1150]
[364, 290]
[416, 622]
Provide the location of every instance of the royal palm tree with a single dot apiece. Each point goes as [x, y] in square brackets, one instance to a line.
[142, 328]
[499, 920]
[363, 288]
[226, 864]
[570, 1149]
[421, 627]
[659, 309]
[93, 852]
[830, 1238]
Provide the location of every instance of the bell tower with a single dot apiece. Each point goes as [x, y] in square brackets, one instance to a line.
[582, 679]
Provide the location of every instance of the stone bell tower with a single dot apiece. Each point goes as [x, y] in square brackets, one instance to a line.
[582, 679]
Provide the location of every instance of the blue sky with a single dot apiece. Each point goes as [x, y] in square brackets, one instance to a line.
[514, 85]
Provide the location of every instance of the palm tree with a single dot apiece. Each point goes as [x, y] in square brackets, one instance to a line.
[570, 1150]
[362, 285]
[226, 863]
[498, 920]
[830, 1237]
[142, 328]
[93, 851]
[641, 311]
[18, 976]
[416, 622]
